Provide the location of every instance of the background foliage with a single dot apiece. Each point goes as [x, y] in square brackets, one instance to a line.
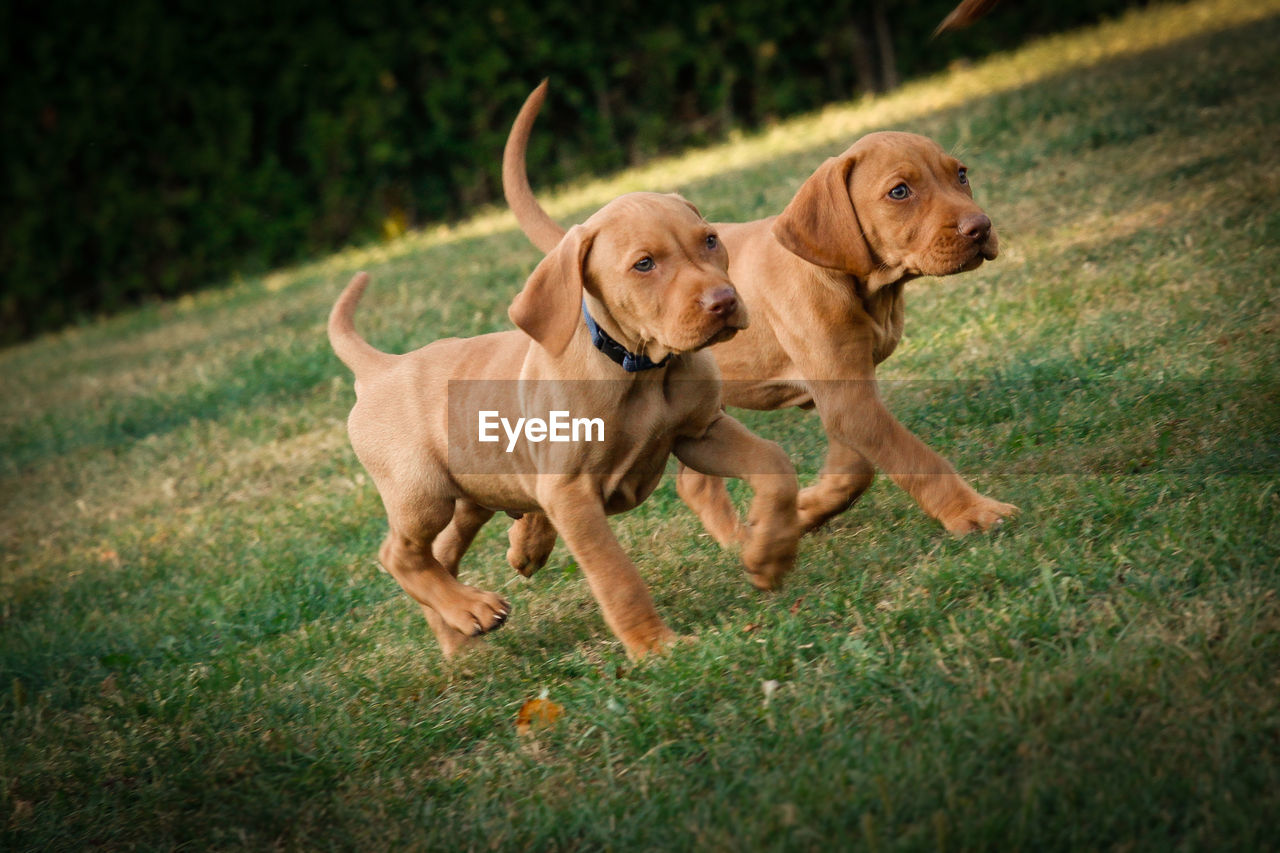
[150, 148]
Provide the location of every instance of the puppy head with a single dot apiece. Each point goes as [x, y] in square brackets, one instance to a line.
[894, 206]
[655, 265]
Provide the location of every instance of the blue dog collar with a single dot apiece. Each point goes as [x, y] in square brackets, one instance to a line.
[630, 361]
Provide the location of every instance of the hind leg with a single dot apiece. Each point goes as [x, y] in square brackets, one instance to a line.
[845, 475]
[407, 556]
[456, 538]
[531, 537]
[448, 548]
[708, 497]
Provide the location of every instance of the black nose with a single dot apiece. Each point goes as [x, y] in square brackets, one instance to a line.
[975, 226]
[722, 301]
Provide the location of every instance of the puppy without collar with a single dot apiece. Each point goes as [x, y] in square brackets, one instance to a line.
[824, 280]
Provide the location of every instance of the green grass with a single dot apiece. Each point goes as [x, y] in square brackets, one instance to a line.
[197, 649]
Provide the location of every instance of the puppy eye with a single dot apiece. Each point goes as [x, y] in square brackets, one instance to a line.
[645, 264]
[964, 175]
[712, 242]
[900, 192]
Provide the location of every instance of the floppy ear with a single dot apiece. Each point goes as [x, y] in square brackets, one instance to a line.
[549, 309]
[820, 224]
[687, 204]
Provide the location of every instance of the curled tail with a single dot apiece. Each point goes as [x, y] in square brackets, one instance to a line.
[543, 231]
[355, 352]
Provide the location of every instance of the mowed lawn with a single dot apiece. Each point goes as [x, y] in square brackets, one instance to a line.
[199, 651]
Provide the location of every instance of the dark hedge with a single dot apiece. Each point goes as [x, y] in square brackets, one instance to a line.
[150, 148]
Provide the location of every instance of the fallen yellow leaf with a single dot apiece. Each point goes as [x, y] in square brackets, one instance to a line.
[537, 714]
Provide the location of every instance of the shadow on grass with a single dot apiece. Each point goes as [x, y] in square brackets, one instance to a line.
[184, 603]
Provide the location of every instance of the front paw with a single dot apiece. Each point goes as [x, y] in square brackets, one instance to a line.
[978, 515]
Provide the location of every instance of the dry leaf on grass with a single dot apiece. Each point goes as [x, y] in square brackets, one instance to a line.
[537, 714]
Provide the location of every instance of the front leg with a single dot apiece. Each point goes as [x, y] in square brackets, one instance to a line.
[839, 371]
[853, 414]
[574, 507]
[728, 449]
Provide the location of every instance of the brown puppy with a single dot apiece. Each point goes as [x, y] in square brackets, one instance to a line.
[824, 280]
[652, 274]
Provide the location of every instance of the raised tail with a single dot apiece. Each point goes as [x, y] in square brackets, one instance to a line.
[541, 229]
[355, 352]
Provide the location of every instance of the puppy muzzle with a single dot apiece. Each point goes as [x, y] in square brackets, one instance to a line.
[723, 304]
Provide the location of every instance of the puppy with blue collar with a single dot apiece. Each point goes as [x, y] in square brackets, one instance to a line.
[612, 326]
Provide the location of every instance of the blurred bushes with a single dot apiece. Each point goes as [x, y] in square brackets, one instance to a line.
[150, 148]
